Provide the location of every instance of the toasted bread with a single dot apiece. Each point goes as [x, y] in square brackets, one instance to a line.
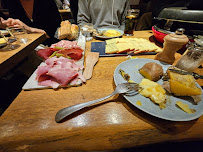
[65, 30]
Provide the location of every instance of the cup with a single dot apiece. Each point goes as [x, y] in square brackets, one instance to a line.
[131, 21]
[20, 33]
[87, 31]
[191, 59]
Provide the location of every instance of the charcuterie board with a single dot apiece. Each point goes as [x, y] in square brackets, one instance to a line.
[32, 83]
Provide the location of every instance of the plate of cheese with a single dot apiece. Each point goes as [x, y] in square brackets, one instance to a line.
[171, 111]
[125, 46]
[108, 33]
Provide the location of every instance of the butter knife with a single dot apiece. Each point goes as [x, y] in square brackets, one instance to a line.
[195, 75]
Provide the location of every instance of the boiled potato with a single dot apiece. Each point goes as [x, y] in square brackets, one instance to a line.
[152, 71]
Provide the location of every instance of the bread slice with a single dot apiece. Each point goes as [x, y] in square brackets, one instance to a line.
[65, 30]
[74, 32]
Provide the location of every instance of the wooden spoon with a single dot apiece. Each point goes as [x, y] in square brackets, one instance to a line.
[91, 60]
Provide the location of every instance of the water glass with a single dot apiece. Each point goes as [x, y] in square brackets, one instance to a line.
[21, 33]
[87, 31]
[131, 21]
[9, 43]
[191, 59]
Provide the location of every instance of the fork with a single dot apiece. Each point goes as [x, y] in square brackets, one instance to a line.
[128, 88]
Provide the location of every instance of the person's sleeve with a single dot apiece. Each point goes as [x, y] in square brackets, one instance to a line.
[83, 12]
[127, 7]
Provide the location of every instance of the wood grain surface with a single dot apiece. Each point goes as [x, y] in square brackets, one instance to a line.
[28, 124]
[9, 59]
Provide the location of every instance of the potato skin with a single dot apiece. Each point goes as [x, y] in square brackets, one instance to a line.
[152, 71]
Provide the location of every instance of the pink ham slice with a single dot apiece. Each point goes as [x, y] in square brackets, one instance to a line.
[43, 70]
[65, 44]
[46, 80]
[63, 76]
[59, 72]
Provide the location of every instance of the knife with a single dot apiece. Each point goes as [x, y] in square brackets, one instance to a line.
[195, 75]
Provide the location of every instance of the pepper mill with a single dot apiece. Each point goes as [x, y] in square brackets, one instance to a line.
[172, 43]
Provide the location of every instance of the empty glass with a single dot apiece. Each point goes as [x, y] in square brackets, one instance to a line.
[20, 32]
[87, 30]
[9, 42]
[191, 59]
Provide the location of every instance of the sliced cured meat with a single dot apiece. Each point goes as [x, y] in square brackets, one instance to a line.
[45, 53]
[43, 70]
[63, 76]
[66, 44]
[55, 61]
[74, 53]
[48, 81]
[59, 72]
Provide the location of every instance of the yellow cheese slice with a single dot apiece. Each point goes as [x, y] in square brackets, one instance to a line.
[2, 41]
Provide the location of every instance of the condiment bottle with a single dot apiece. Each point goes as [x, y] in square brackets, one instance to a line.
[172, 43]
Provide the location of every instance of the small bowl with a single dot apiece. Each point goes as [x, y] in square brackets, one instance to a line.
[158, 35]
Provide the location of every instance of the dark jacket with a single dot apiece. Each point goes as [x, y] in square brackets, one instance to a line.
[45, 15]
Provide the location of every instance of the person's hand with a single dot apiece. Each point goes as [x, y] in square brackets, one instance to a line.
[15, 23]
[19, 24]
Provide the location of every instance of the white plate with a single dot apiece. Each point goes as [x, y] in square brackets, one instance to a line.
[171, 112]
[105, 37]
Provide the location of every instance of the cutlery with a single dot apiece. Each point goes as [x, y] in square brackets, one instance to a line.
[195, 75]
[128, 88]
[91, 60]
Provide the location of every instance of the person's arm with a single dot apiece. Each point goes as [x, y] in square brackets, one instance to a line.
[127, 7]
[83, 12]
[19, 24]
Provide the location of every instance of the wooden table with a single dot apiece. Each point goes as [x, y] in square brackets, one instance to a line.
[9, 59]
[29, 125]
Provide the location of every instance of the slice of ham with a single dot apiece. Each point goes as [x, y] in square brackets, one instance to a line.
[43, 70]
[63, 76]
[46, 80]
[59, 72]
[66, 44]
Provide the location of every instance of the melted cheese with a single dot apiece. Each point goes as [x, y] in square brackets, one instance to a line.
[154, 91]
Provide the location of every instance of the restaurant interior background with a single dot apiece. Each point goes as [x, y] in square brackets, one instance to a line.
[12, 82]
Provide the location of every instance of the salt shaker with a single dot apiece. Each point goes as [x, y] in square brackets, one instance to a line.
[191, 59]
[172, 43]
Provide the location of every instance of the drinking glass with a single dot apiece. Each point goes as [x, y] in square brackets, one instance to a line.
[9, 42]
[191, 59]
[87, 30]
[131, 21]
[21, 33]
